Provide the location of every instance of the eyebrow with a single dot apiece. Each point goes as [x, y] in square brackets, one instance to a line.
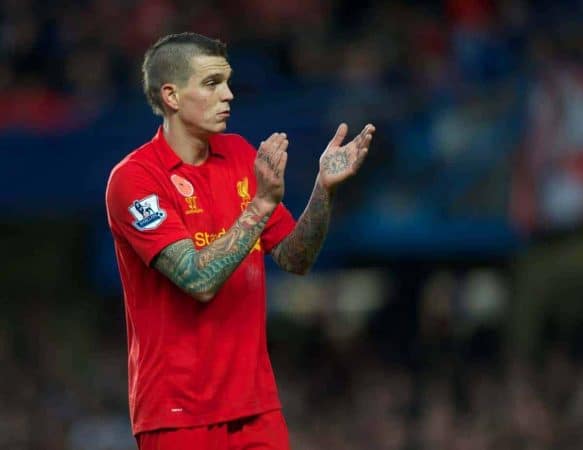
[218, 75]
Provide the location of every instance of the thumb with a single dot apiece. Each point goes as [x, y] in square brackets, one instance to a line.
[340, 135]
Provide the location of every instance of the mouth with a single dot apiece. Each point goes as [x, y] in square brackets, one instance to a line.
[224, 114]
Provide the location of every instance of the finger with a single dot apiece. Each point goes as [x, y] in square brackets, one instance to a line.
[365, 145]
[282, 142]
[267, 148]
[363, 151]
[281, 165]
[340, 135]
[263, 145]
[268, 143]
[281, 151]
[282, 148]
[272, 138]
[279, 145]
[277, 149]
[278, 141]
[359, 138]
[361, 156]
[271, 151]
[367, 140]
[369, 129]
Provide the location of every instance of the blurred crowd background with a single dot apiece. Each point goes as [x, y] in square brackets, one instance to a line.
[445, 311]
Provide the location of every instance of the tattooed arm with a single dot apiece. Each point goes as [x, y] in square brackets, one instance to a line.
[298, 251]
[202, 273]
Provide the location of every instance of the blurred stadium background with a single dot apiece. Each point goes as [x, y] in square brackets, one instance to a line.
[445, 311]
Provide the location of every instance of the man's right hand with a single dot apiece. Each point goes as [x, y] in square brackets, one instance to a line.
[269, 170]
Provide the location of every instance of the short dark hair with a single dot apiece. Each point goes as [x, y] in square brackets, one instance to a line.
[169, 61]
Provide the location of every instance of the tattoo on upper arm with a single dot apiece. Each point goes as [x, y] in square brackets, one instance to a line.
[207, 269]
[298, 251]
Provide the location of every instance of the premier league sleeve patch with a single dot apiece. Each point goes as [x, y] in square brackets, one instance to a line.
[147, 213]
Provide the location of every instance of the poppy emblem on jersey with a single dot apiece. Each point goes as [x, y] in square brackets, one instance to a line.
[243, 192]
[184, 186]
[147, 213]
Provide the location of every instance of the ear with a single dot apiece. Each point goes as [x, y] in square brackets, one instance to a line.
[170, 96]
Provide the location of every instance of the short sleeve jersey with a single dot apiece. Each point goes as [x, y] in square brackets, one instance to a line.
[191, 363]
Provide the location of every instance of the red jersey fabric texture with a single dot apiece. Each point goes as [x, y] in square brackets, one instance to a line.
[191, 363]
[267, 431]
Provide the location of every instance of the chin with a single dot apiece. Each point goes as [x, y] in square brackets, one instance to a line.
[213, 130]
[220, 127]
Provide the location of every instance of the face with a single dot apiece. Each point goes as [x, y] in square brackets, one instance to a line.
[203, 104]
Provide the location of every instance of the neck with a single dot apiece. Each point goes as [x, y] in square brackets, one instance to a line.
[190, 148]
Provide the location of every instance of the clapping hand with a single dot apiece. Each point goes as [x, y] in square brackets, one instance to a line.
[270, 168]
[339, 162]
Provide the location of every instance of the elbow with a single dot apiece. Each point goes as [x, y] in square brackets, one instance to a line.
[203, 297]
[300, 270]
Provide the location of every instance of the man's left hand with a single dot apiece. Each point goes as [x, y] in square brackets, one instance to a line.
[339, 162]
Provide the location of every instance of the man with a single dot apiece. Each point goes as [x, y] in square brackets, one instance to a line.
[192, 265]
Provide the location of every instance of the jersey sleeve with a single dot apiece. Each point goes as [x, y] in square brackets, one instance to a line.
[141, 213]
[280, 224]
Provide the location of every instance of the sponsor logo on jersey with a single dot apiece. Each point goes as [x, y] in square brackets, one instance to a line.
[147, 213]
[204, 238]
[192, 205]
[183, 186]
[243, 192]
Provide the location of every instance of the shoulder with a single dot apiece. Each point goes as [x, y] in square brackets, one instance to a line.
[136, 171]
[139, 161]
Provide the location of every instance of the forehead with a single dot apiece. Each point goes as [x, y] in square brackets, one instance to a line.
[207, 65]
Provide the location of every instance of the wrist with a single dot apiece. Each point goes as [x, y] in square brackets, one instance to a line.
[330, 190]
[263, 206]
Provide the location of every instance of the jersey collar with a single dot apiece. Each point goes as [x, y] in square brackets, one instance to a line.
[170, 159]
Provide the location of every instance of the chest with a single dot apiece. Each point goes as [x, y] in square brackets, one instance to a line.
[210, 199]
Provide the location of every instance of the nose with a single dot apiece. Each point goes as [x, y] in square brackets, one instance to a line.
[227, 94]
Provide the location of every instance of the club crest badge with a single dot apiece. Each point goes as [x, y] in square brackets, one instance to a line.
[184, 186]
[147, 213]
[243, 192]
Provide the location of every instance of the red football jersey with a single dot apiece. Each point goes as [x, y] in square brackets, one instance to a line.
[191, 363]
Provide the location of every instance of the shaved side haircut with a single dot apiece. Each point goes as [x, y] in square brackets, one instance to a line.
[169, 61]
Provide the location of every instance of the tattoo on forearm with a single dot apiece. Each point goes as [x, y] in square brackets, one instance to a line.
[298, 251]
[337, 162]
[206, 270]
